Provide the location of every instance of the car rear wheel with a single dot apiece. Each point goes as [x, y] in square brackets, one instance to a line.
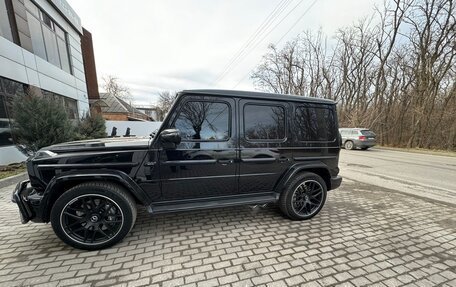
[93, 215]
[349, 145]
[304, 197]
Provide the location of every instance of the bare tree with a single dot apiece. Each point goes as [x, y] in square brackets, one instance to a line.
[394, 73]
[165, 101]
[114, 88]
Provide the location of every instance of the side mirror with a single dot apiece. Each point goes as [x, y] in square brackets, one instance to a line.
[170, 138]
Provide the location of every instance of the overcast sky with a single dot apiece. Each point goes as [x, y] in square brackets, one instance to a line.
[185, 44]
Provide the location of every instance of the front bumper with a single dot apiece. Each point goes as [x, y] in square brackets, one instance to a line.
[19, 197]
[336, 181]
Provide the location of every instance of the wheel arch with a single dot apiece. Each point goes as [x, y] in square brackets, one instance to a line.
[320, 169]
[61, 183]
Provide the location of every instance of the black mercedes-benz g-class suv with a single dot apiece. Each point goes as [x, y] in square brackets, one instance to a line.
[214, 149]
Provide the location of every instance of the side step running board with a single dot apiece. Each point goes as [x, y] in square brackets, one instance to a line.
[166, 207]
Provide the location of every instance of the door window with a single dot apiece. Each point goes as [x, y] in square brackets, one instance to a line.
[264, 122]
[204, 121]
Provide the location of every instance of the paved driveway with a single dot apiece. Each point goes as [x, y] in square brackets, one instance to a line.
[363, 236]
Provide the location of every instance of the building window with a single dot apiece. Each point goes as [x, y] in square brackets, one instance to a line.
[70, 105]
[206, 121]
[315, 124]
[49, 41]
[5, 27]
[8, 90]
[264, 122]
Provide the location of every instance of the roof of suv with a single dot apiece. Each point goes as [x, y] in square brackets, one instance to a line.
[258, 95]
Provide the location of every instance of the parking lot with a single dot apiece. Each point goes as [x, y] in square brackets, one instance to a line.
[364, 235]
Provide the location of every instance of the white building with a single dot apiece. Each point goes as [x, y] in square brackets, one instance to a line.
[40, 48]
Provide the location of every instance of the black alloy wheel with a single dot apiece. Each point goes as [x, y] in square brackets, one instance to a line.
[91, 219]
[93, 215]
[307, 198]
[304, 197]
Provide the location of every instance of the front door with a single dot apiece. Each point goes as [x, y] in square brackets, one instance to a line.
[203, 164]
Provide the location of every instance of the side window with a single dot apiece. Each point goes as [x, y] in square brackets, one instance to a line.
[204, 121]
[264, 122]
[315, 124]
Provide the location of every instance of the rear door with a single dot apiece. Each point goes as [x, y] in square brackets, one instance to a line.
[370, 136]
[264, 147]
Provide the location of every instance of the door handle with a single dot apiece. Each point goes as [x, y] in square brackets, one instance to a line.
[225, 161]
[284, 159]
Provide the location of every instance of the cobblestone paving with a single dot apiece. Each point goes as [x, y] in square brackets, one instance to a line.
[363, 236]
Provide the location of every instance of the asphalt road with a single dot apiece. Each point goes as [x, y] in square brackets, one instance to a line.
[423, 175]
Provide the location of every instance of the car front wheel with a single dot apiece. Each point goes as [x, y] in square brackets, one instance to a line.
[93, 215]
[304, 197]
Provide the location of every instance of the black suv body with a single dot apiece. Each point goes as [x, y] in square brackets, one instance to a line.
[214, 149]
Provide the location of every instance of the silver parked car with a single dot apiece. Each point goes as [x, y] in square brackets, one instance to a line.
[357, 138]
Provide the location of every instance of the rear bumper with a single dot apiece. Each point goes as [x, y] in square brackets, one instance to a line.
[361, 144]
[335, 182]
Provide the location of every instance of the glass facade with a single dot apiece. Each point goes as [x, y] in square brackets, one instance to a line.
[5, 28]
[70, 105]
[49, 41]
[8, 90]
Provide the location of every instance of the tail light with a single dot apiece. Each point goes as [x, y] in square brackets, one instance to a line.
[362, 138]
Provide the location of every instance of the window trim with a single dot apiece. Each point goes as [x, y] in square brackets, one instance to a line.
[296, 107]
[230, 114]
[272, 104]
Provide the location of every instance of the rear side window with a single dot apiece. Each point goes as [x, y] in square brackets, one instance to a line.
[205, 121]
[264, 122]
[315, 124]
[368, 133]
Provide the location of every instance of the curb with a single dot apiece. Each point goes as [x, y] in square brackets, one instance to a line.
[13, 179]
[419, 151]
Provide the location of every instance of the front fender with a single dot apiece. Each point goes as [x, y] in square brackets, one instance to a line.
[311, 166]
[54, 187]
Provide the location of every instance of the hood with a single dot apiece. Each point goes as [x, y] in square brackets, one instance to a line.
[99, 144]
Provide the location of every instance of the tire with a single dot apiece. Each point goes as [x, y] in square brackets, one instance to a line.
[349, 145]
[93, 215]
[364, 148]
[302, 185]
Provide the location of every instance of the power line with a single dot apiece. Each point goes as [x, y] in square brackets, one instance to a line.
[278, 9]
[283, 36]
[252, 38]
[297, 21]
[270, 31]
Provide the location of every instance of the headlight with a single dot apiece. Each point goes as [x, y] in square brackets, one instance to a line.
[44, 154]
